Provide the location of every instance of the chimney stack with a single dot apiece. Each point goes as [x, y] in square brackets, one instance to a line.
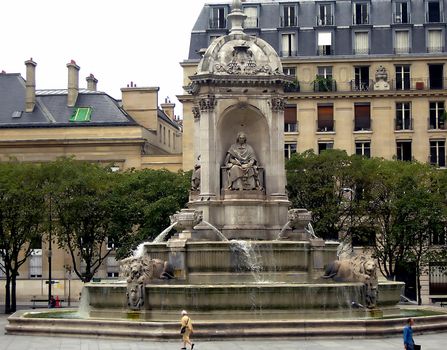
[91, 82]
[168, 108]
[30, 89]
[73, 83]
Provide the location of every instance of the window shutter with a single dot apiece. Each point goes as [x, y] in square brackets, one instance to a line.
[290, 115]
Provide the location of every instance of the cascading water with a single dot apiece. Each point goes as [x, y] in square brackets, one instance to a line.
[247, 259]
[162, 236]
[219, 234]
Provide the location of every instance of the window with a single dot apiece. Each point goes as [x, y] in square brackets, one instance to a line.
[288, 18]
[323, 80]
[35, 263]
[81, 114]
[361, 43]
[402, 77]
[288, 45]
[289, 149]
[161, 133]
[218, 18]
[437, 153]
[112, 266]
[169, 138]
[403, 116]
[439, 237]
[438, 279]
[361, 15]
[325, 121]
[164, 135]
[403, 151]
[325, 145]
[433, 11]
[361, 81]
[325, 17]
[324, 43]
[435, 40]
[252, 17]
[401, 13]
[363, 148]
[362, 116]
[401, 41]
[436, 76]
[437, 115]
[290, 119]
[290, 71]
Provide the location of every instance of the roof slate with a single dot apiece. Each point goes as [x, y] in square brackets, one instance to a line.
[51, 107]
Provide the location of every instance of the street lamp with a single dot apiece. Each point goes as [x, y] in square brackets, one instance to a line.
[68, 271]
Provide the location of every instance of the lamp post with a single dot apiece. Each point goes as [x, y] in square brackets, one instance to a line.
[351, 198]
[68, 271]
[50, 228]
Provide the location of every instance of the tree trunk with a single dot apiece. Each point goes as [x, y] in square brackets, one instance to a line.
[418, 285]
[13, 292]
[8, 294]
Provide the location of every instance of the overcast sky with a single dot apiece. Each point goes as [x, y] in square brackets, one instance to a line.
[117, 40]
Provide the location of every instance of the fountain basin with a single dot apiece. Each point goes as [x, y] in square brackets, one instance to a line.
[435, 321]
[237, 301]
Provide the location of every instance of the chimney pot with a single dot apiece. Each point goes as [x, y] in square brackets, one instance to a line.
[91, 82]
[30, 85]
[73, 83]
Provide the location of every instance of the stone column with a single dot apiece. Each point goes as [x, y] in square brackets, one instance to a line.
[207, 147]
[277, 177]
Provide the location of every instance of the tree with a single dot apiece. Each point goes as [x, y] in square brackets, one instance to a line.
[21, 211]
[318, 183]
[150, 197]
[82, 208]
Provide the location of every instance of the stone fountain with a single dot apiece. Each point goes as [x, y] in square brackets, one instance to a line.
[240, 256]
[239, 252]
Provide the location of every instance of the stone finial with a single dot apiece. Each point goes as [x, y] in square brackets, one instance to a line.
[236, 18]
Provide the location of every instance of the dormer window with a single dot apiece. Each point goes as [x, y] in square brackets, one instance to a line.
[433, 10]
[324, 43]
[252, 20]
[401, 13]
[361, 13]
[218, 17]
[288, 16]
[325, 15]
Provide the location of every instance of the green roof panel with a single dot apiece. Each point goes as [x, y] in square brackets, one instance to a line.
[81, 114]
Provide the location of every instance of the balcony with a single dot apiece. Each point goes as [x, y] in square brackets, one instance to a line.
[366, 85]
[363, 51]
[324, 84]
[288, 22]
[433, 49]
[292, 87]
[326, 50]
[401, 50]
[218, 23]
[325, 21]
[437, 123]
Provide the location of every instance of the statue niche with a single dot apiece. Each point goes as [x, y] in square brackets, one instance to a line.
[242, 166]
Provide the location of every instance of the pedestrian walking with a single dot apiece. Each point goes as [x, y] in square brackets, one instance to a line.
[408, 336]
[186, 330]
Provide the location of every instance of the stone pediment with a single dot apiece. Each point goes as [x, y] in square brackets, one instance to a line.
[240, 54]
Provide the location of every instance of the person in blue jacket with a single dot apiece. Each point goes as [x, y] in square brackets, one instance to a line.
[408, 335]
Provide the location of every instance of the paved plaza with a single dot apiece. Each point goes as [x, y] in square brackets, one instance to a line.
[20, 342]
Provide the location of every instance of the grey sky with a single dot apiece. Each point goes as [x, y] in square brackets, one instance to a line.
[117, 40]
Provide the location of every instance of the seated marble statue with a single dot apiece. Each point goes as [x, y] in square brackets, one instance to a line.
[241, 166]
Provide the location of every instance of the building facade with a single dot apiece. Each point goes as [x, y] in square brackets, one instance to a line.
[370, 77]
[41, 125]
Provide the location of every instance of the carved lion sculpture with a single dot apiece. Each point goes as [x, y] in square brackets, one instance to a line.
[356, 269]
[142, 270]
